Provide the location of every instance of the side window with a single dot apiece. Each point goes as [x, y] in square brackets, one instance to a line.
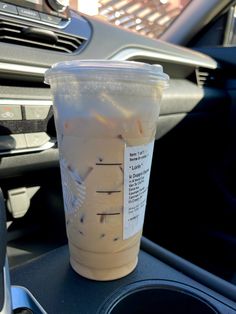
[230, 34]
[220, 32]
[146, 17]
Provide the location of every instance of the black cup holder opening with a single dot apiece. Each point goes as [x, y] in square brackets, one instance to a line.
[157, 300]
[22, 310]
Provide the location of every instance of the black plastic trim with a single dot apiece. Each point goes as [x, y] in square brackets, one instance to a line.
[2, 231]
[204, 277]
[11, 166]
[2, 247]
[183, 96]
[2, 294]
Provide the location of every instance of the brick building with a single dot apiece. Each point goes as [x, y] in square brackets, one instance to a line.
[148, 17]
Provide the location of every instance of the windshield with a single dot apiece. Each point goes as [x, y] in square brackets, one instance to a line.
[147, 17]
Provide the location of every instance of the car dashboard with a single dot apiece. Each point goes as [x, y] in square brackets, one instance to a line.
[26, 107]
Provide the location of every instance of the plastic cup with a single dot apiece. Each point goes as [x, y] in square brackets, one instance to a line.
[106, 115]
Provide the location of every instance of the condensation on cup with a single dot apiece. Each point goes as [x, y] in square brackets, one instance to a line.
[106, 116]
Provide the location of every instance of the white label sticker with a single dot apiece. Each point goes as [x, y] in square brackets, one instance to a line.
[137, 166]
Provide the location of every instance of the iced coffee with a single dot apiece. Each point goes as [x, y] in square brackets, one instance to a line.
[106, 114]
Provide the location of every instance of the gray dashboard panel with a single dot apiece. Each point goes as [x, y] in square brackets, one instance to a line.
[117, 40]
[109, 42]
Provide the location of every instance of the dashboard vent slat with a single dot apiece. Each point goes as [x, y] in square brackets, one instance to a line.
[14, 33]
[205, 77]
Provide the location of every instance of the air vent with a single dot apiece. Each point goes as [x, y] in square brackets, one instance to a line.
[205, 77]
[19, 34]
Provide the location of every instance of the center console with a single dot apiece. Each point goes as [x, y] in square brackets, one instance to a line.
[153, 287]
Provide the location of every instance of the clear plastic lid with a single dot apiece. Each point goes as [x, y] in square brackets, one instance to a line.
[108, 69]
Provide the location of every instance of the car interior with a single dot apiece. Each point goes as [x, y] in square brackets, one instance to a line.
[188, 249]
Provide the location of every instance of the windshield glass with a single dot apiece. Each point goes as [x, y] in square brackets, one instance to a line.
[147, 17]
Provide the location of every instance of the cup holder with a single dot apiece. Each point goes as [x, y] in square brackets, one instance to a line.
[157, 299]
